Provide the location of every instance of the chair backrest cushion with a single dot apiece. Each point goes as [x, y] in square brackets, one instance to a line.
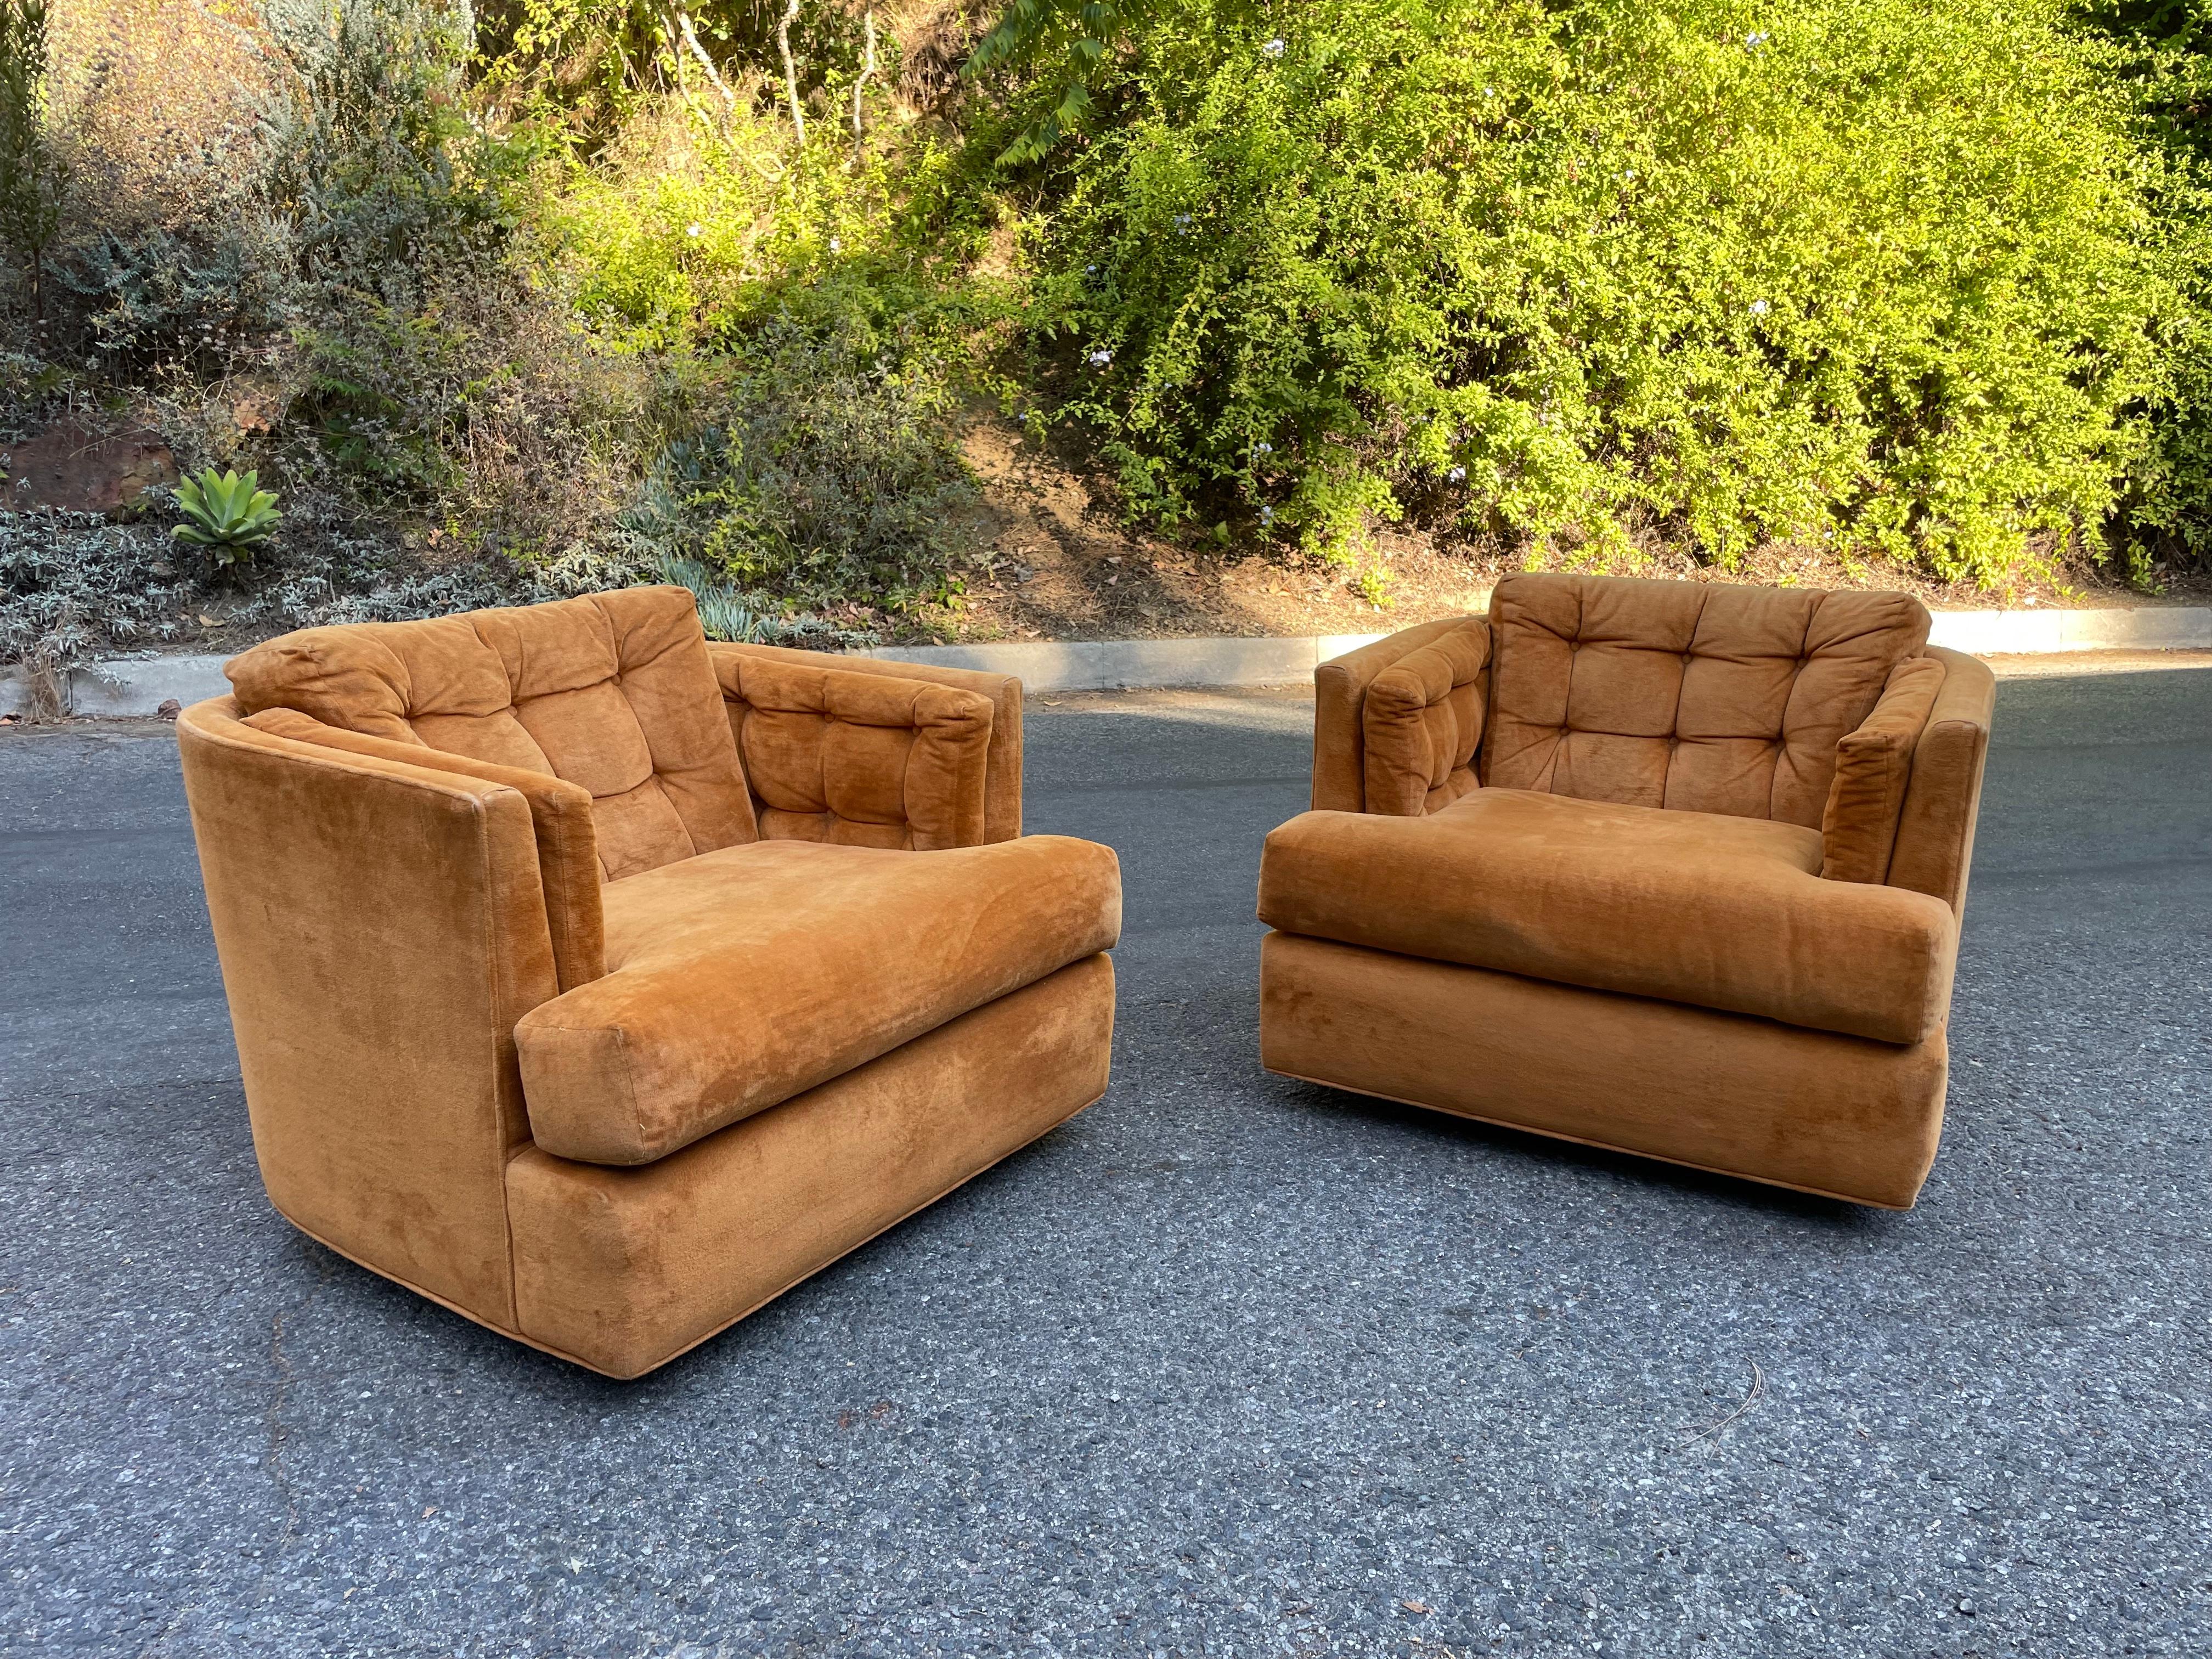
[1699, 696]
[612, 692]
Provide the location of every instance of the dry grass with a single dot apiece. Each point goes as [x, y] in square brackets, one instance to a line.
[150, 98]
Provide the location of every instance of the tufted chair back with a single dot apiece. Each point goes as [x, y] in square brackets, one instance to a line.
[613, 692]
[1696, 697]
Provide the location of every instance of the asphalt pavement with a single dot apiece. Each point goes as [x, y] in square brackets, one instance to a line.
[1228, 1365]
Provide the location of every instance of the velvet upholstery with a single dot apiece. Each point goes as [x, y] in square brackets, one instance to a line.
[437, 852]
[1340, 769]
[1873, 766]
[1421, 721]
[381, 928]
[622, 1269]
[1935, 842]
[859, 760]
[1693, 696]
[1002, 769]
[560, 814]
[740, 978]
[1693, 906]
[1701, 871]
[613, 692]
[1839, 1116]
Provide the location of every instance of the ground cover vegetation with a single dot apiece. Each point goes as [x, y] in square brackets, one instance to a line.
[526, 300]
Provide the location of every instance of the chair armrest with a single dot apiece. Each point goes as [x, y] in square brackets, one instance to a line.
[1942, 802]
[1422, 722]
[1858, 827]
[381, 928]
[1002, 771]
[1340, 739]
[861, 759]
[560, 816]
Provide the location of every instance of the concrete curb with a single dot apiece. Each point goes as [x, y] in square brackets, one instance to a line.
[138, 686]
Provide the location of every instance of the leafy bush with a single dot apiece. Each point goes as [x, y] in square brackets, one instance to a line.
[1852, 272]
[828, 478]
[74, 588]
[31, 177]
[2162, 55]
[374, 163]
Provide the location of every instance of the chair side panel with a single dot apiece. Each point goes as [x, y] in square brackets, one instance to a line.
[1935, 846]
[380, 930]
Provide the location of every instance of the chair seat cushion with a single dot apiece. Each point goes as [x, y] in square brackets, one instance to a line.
[1718, 911]
[742, 977]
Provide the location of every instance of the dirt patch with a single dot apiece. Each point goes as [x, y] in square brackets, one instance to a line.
[1058, 561]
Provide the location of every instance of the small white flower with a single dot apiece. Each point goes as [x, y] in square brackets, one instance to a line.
[1263, 449]
[836, 247]
[1756, 39]
[1759, 308]
[1490, 92]
[691, 229]
[1276, 47]
[1101, 357]
[1457, 475]
[1090, 270]
[1267, 515]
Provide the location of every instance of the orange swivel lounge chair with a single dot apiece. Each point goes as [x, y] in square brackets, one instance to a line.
[601, 983]
[1670, 867]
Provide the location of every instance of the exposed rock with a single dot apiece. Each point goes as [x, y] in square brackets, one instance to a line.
[70, 467]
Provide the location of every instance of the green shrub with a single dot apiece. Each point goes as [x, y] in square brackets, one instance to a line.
[31, 174]
[827, 476]
[74, 587]
[2162, 55]
[381, 175]
[686, 235]
[1858, 272]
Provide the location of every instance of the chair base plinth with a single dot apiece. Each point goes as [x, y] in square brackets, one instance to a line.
[1840, 1116]
[621, 1270]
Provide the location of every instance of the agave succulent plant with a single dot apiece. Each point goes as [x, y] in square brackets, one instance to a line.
[228, 515]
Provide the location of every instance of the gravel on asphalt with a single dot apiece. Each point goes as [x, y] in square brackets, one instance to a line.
[1228, 1364]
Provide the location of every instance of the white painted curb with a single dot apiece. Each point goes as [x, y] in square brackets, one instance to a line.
[138, 686]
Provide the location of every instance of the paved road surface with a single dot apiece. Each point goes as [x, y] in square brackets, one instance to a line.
[1229, 1365]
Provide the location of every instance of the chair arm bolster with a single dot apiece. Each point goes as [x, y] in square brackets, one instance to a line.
[1942, 801]
[859, 756]
[1422, 722]
[1340, 688]
[1873, 763]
